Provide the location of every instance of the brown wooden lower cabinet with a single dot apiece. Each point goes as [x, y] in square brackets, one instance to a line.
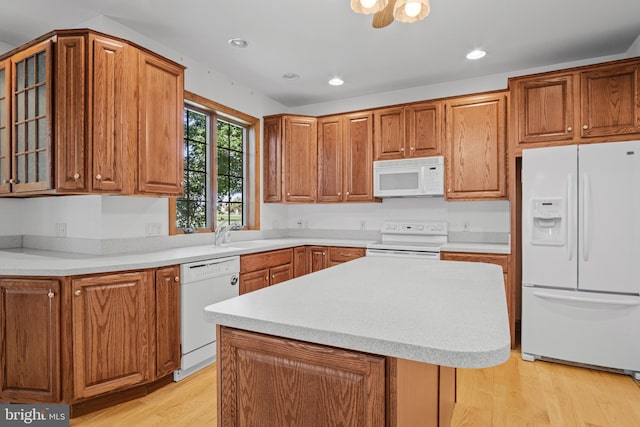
[509, 288]
[263, 269]
[30, 341]
[273, 381]
[77, 339]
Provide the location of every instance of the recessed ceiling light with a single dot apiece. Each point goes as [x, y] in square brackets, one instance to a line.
[476, 54]
[291, 76]
[240, 43]
[336, 81]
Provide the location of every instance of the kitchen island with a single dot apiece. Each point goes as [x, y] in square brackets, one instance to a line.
[369, 343]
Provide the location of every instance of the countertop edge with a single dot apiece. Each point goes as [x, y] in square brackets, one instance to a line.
[451, 358]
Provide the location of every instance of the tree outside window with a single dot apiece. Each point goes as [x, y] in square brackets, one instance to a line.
[195, 210]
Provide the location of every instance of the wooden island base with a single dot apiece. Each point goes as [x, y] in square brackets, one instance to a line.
[267, 380]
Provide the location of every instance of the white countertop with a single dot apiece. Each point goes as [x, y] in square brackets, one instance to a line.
[440, 312]
[33, 262]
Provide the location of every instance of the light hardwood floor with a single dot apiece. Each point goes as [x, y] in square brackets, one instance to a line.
[514, 394]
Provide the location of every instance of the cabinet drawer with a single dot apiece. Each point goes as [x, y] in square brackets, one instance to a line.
[265, 260]
[501, 260]
[338, 254]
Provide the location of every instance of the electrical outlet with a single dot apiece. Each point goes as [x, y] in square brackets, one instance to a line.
[152, 229]
[299, 223]
[61, 229]
[466, 225]
[363, 224]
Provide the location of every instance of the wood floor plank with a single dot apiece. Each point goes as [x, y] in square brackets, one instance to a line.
[514, 394]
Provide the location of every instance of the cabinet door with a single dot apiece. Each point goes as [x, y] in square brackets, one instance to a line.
[110, 332]
[280, 274]
[299, 261]
[113, 115]
[5, 120]
[70, 113]
[358, 157]
[476, 142]
[610, 101]
[167, 320]
[424, 122]
[272, 149]
[160, 115]
[31, 77]
[300, 159]
[389, 134]
[544, 109]
[254, 280]
[330, 153]
[269, 381]
[317, 258]
[30, 340]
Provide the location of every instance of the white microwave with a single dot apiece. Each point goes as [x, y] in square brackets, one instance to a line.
[409, 177]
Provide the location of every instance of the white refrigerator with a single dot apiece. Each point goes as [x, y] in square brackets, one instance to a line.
[581, 255]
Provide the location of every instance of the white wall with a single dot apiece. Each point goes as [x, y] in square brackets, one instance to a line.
[634, 49]
[11, 217]
[480, 216]
[5, 47]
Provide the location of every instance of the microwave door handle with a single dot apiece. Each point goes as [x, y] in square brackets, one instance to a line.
[423, 180]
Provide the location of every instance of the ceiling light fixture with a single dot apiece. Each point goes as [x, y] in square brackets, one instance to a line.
[476, 54]
[291, 76]
[386, 11]
[368, 7]
[409, 11]
[336, 81]
[239, 43]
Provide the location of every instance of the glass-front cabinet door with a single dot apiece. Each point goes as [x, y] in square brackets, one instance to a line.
[5, 119]
[30, 132]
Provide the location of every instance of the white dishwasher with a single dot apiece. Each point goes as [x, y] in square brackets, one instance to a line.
[202, 283]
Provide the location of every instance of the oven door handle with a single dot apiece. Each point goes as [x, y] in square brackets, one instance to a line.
[400, 254]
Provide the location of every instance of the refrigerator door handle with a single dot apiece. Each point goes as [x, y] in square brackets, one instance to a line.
[602, 301]
[586, 217]
[569, 223]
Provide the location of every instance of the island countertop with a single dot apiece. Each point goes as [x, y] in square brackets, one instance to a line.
[440, 312]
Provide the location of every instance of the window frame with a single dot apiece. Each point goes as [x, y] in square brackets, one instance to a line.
[252, 168]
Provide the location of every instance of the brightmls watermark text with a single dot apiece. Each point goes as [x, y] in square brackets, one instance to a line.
[48, 415]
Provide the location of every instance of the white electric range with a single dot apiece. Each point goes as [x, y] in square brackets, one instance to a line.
[413, 239]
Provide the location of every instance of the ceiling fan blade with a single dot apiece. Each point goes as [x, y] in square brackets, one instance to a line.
[385, 16]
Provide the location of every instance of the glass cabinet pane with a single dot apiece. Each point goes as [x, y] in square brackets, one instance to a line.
[42, 166]
[42, 133]
[42, 67]
[20, 75]
[2, 82]
[31, 71]
[31, 103]
[31, 136]
[20, 139]
[20, 107]
[3, 113]
[31, 167]
[42, 101]
[20, 164]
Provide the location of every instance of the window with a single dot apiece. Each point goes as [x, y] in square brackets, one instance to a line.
[219, 182]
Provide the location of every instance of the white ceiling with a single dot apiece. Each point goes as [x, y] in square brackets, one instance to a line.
[323, 38]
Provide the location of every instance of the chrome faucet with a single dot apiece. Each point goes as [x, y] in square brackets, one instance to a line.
[222, 235]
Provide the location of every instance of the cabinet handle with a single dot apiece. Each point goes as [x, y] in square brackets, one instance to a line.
[50, 294]
[266, 278]
[413, 148]
[585, 127]
[98, 177]
[343, 254]
[339, 193]
[288, 194]
[348, 193]
[402, 149]
[76, 176]
[324, 253]
[181, 184]
[273, 276]
[569, 129]
[176, 279]
[8, 181]
[78, 293]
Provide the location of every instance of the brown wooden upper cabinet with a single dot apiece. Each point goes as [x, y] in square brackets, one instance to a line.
[476, 147]
[580, 105]
[84, 112]
[414, 130]
[345, 158]
[290, 159]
